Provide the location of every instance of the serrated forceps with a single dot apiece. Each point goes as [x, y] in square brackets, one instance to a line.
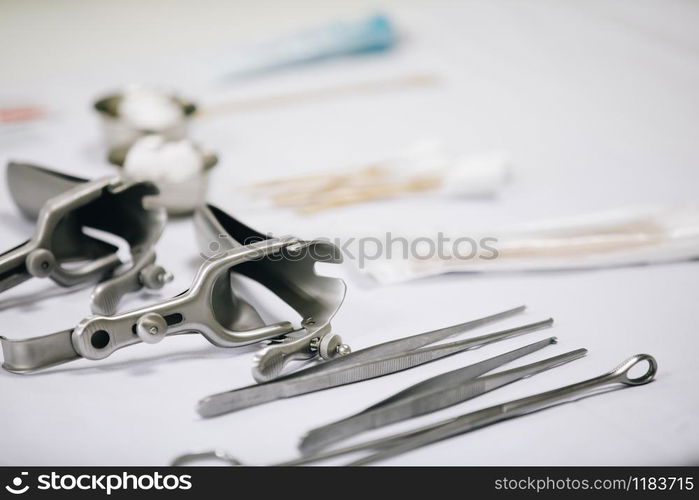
[396, 444]
[382, 359]
[435, 394]
[401, 443]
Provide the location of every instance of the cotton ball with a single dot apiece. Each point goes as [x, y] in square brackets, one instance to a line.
[150, 110]
[478, 176]
[156, 159]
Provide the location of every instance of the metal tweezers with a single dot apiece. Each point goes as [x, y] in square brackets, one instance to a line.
[372, 362]
[435, 394]
[400, 443]
[397, 444]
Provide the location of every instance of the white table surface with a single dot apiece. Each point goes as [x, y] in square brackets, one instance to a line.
[596, 101]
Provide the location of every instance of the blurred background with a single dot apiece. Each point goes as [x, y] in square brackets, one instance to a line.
[83, 34]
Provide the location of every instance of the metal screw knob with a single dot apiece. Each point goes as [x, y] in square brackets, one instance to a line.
[151, 328]
[154, 277]
[40, 263]
[343, 350]
[331, 346]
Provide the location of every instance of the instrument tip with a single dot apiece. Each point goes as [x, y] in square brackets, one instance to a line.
[205, 408]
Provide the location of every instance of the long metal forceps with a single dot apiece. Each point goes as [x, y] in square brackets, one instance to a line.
[406, 441]
[210, 307]
[435, 394]
[372, 362]
[400, 443]
[66, 209]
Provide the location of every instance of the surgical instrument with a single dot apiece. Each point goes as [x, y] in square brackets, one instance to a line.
[72, 213]
[400, 443]
[372, 362]
[435, 394]
[293, 278]
[217, 231]
[210, 307]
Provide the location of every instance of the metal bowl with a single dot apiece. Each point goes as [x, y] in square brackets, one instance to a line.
[178, 198]
[118, 133]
